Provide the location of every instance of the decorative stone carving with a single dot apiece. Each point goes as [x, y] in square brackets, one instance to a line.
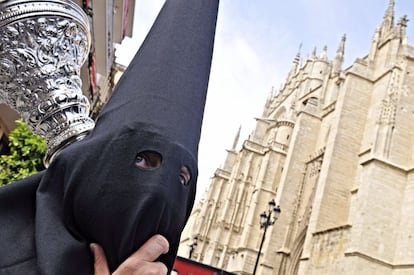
[389, 104]
[43, 45]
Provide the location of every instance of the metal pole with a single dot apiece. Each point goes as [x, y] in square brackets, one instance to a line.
[261, 244]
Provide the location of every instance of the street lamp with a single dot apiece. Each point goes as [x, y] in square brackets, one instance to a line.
[267, 219]
[193, 246]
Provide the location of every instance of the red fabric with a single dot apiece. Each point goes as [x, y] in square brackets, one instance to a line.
[187, 267]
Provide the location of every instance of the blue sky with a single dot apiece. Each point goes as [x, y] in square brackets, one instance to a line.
[256, 42]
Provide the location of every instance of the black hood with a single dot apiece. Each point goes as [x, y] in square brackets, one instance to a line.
[94, 189]
[111, 201]
[166, 83]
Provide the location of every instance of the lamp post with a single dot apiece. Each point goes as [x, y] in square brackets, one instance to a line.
[193, 246]
[266, 220]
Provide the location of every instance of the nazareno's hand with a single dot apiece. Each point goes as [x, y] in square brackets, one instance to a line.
[141, 262]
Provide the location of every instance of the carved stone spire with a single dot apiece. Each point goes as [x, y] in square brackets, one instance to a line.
[387, 25]
[313, 55]
[388, 22]
[232, 153]
[339, 58]
[236, 139]
[401, 29]
[296, 62]
[387, 31]
[341, 49]
[269, 101]
[324, 54]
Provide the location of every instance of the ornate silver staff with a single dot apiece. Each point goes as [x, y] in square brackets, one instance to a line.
[43, 45]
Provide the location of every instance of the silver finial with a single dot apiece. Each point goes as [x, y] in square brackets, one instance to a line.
[43, 45]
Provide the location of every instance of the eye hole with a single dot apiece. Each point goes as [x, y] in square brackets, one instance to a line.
[185, 175]
[148, 159]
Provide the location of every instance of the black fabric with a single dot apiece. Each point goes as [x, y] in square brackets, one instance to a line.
[118, 206]
[166, 83]
[94, 191]
[17, 215]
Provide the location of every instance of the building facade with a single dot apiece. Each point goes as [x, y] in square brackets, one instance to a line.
[335, 149]
[111, 21]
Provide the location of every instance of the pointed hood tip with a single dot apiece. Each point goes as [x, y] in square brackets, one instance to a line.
[166, 83]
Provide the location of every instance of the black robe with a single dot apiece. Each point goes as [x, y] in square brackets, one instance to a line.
[93, 190]
[17, 216]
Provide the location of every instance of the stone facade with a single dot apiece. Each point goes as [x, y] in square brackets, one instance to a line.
[335, 148]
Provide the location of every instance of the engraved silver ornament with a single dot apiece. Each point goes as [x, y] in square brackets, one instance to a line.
[43, 45]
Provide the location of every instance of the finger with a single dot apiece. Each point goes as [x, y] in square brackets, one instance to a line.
[156, 268]
[100, 264]
[151, 249]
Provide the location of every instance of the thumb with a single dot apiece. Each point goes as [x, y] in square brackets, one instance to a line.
[100, 264]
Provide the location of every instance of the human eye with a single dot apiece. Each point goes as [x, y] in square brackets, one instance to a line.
[185, 175]
[148, 159]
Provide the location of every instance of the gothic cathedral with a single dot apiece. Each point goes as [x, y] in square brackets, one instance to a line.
[335, 149]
